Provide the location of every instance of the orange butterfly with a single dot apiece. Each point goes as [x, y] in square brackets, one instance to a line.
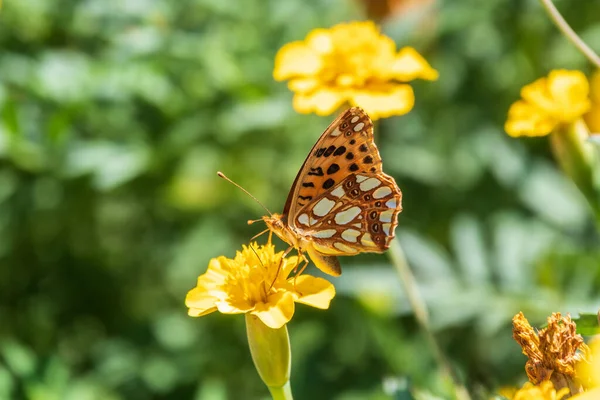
[341, 203]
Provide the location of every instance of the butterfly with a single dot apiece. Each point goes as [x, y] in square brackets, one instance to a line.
[341, 202]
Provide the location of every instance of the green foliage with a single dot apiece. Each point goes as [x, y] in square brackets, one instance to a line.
[587, 324]
[115, 117]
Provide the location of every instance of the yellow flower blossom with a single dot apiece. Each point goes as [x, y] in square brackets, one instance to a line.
[592, 118]
[256, 282]
[561, 98]
[589, 372]
[351, 63]
[544, 391]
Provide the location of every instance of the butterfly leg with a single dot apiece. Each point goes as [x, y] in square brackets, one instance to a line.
[299, 270]
[283, 256]
[260, 234]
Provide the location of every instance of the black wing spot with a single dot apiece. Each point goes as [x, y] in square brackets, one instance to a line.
[339, 151]
[329, 150]
[328, 183]
[320, 152]
[363, 147]
[308, 184]
[333, 168]
[349, 156]
[373, 215]
[348, 134]
[349, 184]
[373, 169]
[377, 204]
[367, 197]
[352, 141]
[353, 167]
[375, 228]
[305, 197]
[344, 125]
[354, 192]
[316, 171]
[368, 160]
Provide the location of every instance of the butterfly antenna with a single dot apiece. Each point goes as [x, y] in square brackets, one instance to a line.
[222, 175]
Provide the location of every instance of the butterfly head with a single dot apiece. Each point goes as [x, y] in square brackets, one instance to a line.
[277, 225]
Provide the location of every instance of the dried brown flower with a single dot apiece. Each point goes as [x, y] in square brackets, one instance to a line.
[553, 352]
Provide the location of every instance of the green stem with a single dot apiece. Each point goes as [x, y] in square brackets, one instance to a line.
[578, 159]
[569, 33]
[281, 393]
[418, 306]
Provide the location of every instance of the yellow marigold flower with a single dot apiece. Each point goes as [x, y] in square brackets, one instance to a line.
[589, 372]
[561, 98]
[544, 391]
[552, 352]
[248, 284]
[351, 63]
[592, 118]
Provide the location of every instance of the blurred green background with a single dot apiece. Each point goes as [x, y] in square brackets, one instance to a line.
[116, 115]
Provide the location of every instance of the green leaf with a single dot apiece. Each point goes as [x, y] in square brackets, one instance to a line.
[587, 324]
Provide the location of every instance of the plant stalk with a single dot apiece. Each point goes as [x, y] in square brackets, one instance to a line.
[419, 308]
[282, 392]
[569, 33]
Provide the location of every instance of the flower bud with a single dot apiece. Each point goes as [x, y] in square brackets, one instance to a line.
[270, 349]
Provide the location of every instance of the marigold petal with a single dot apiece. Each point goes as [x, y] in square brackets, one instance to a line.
[592, 394]
[570, 89]
[321, 102]
[216, 273]
[544, 391]
[233, 307]
[320, 41]
[278, 311]
[200, 302]
[589, 371]
[537, 95]
[385, 101]
[595, 87]
[527, 120]
[296, 59]
[201, 299]
[289, 264]
[592, 118]
[563, 95]
[313, 291]
[303, 85]
[410, 65]
[196, 312]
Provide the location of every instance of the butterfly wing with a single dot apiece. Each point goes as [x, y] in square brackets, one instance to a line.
[345, 147]
[341, 198]
[360, 214]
